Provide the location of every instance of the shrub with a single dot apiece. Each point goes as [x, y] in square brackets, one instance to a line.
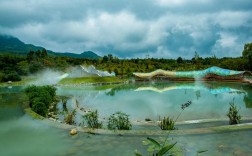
[40, 95]
[69, 117]
[167, 123]
[234, 117]
[39, 108]
[119, 121]
[92, 120]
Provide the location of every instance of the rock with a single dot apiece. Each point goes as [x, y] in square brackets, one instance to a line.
[148, 119]
[52, 119]
[73, 132]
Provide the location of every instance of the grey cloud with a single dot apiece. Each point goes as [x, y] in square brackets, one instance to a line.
[161, 28]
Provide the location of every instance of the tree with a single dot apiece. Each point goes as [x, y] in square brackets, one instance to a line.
[35, 67]
[44, 53]
[110, 57]
[179, 60]
[38, 54]
[105, 59]
[30, 56]
[247, 53]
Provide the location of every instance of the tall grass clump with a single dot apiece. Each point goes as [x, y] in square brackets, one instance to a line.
[166, 123]
[91, 119]
[233, 114]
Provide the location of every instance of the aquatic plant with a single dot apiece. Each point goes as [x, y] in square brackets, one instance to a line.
[167, 123]
[91, 119]
[233, 114]
[69, 117]
[119, 121]
[160, 148]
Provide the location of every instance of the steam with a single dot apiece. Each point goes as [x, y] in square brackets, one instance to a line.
[83, 71]
[47, 77]
[51, 77]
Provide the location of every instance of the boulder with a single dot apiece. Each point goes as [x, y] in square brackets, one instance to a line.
[73, 132]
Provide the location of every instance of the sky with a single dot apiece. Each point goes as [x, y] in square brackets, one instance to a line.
[132, 28]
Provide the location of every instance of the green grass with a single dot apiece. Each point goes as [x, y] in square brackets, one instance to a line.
[82, 80]
[17, 83]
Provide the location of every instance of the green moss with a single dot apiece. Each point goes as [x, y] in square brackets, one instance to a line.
[34, 115]
[91, 80]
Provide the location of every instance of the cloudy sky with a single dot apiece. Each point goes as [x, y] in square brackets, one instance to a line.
[160, 28]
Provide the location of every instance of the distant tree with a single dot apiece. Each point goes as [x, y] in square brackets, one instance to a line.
[196, 55]
[179, 60]
[105, 59]
[116, 71]
[30, 56]
[44, 53]
[247, 53]
[35, 67]
[110, 57]
[11, 76]
[22, 68]
[38, 54]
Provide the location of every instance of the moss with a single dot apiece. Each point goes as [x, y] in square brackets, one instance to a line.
[34, 115]
[81, 80]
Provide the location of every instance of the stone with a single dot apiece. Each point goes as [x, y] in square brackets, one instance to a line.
[73, 132]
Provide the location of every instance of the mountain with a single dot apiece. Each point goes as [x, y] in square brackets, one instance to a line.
[14, 45]
[10, 44]
[86, 54]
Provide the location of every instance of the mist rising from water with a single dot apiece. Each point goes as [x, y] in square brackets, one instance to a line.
[87, 71]
[47, 77]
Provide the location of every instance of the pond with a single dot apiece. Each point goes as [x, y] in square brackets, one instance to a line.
[22, 135]
[210, 101]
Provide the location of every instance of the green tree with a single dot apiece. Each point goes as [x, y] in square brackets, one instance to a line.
[179, 60]
[247, 53]
[105, 59]
[44, 53]
[30, 56]
[38, 54]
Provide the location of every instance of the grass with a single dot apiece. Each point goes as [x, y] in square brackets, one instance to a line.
[81, 80]
[24, 81]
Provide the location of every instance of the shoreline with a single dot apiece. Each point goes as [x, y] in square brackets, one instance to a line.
[196, 131]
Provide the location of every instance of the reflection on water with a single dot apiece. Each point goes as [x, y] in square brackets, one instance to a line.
[20, 135]
[144, 100]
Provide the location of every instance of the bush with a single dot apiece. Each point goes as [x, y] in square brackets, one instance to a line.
[40, 95]
[13, 76]
[92, 120]
[167, 123]
[234, 117]
[119, 121]
[39, 108]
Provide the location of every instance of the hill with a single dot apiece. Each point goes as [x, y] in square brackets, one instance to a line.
[10, 44]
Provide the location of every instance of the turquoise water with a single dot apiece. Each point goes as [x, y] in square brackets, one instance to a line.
[23, 136]
[140, 101]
